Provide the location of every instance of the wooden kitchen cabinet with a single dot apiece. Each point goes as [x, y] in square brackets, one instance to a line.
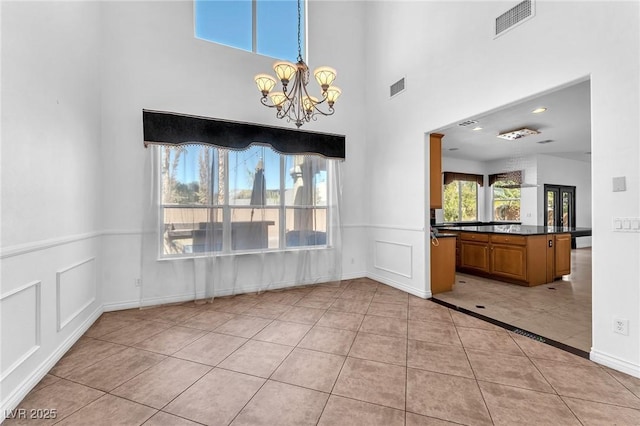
[443, 267]
[509, 261]
[528, 260]
[474, 255]
[509, 256]
[435, 170]
[562, 255]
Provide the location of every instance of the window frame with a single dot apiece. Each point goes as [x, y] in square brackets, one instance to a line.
[255, 29]
[227, 217]
[459, 198]
[496, 185]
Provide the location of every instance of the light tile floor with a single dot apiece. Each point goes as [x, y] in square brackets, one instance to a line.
[348, 353]
[560, 311]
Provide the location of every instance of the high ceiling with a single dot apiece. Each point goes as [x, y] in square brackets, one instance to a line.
[566, 123]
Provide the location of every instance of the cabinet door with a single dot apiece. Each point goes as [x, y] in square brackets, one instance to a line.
[562, 255]
[474, 255]
[509, 261]
[435, 170]
[443, 268]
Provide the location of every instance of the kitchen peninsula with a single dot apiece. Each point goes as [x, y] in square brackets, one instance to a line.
[520, 254]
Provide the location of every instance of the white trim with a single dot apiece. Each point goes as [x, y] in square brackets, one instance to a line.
[615, 363]
[62, 324]
[353, 275]
[354, 225]
[21, 249]
[375, 258]
[38, 323]
[422, 294]
[395, 227]
[120, 306]
[33, 379]
[111, 232]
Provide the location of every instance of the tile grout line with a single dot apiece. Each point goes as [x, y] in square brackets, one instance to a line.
[475, 377]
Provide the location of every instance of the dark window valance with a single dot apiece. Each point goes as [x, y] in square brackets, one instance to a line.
[468, 177]
[515, 177]
[166, 128]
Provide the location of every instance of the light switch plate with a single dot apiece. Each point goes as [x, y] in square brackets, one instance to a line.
[626, 224]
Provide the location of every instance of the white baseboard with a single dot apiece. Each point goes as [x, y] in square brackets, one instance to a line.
[30, 382]
[354, 275]
[615, 363]
[178, 298]
[423, 294]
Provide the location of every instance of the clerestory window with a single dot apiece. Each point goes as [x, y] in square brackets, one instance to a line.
[266, 27]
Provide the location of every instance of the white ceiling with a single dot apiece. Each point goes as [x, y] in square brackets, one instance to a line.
[566, 122]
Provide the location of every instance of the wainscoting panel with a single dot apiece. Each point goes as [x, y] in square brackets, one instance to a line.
[21, 325]
[396, 258]
[75, 290]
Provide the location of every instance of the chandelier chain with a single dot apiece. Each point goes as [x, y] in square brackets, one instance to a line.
[299, 42]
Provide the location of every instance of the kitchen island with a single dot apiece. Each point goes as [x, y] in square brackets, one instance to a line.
[520, 254]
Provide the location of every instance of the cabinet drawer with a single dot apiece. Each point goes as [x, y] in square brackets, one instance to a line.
[469, 236]
[509, 239]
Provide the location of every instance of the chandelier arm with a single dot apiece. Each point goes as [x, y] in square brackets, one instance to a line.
[264, 101]
[292, 108]
[315, 105]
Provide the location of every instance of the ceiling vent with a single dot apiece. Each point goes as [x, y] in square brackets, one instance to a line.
[397, 87]
[514, 16]
[517, 134]
[467, 123]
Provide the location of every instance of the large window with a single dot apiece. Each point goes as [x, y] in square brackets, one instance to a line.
[224, 201]
[461, 197]
[267, 27]
[506, 196]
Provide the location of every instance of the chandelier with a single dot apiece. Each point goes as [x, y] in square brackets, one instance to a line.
[294, 102]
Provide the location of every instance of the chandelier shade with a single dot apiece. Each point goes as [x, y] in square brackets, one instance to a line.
[265, 83]
[278, 98]
[294, 102]
[333, 93]
[325, 76]
[285, 71]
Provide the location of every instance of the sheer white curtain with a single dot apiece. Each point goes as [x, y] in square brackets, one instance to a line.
[220, 222]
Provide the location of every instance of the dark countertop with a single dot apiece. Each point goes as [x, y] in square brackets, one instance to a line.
[517, 229]
[445, 235]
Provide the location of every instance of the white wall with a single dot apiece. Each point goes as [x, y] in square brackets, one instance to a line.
[75, 78]
[455, 69]
[152, 61]
[51, 186]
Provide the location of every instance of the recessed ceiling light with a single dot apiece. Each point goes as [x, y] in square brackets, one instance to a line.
[538, 110]
[467, 123]
[477, 128]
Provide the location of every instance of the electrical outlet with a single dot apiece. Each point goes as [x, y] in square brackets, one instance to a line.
[137, 282]
[621, 326]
